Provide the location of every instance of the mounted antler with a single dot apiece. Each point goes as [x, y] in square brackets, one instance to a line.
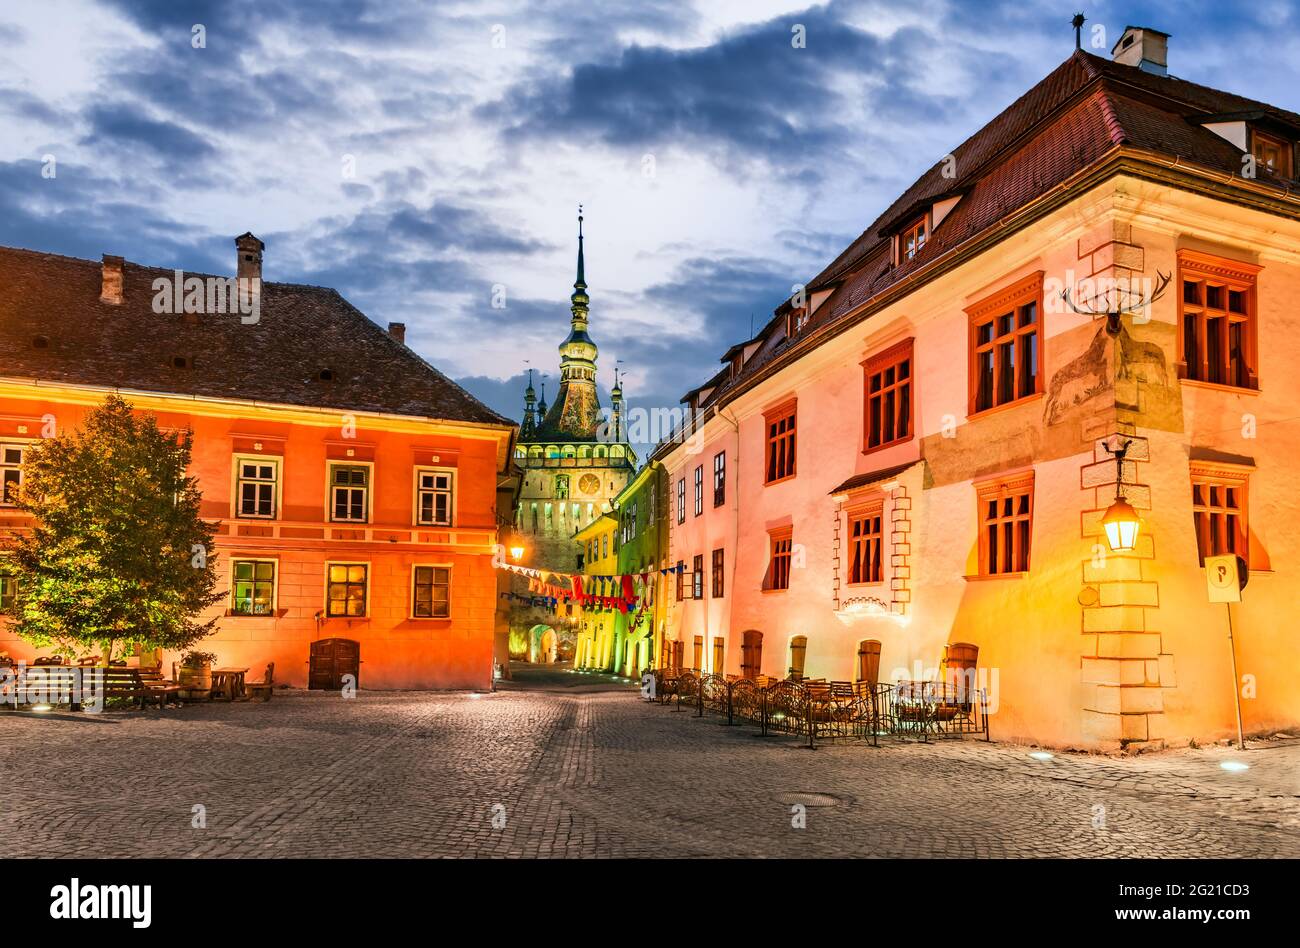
[1113, 314]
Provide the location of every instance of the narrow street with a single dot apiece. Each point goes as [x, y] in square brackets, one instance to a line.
[559, 764]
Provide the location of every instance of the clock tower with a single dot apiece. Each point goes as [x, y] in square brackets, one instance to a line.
[574, 459]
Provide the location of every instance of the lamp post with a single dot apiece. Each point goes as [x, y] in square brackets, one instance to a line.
[1121, 522]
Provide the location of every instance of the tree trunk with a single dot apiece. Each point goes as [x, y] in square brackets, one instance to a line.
[106, 646]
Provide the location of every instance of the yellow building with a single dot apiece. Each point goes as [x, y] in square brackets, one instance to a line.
[598, 548]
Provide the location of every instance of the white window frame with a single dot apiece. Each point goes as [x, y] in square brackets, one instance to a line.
[369, 569]
[411, 586]
[22, 447]
[275, 586]
[417, 509]
[237, 499]
[330, 465]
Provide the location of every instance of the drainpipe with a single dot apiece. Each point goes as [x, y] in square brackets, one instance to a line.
[730, 419]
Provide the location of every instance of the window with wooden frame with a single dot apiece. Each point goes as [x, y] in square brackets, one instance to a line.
[1006, 513]
[719, 478]
[719, 652]
[796, 321]
[350, 492]
[256, 486]
[698, 652]
[1274, 153]
[435, 496]
[716, 574]
[780, 422]
[8, 587]
[697, 576]
[431, 592]
[11, 472]
[1217, 338]
[681, 580]
[887, 394]
[866, 543]
[699, 490]
[911, 239]
[1006, 345]
[252, 590]
[1219, 510]
[780, 554]
[347, 589]
[681, 500]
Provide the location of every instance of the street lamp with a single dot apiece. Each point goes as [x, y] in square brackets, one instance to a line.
[1121, 521]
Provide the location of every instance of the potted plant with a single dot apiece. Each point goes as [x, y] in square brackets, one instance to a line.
[196, 674]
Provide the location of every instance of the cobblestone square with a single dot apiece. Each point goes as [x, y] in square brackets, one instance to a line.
[564, 765]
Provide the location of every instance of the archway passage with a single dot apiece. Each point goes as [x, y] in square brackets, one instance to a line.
[544, 645]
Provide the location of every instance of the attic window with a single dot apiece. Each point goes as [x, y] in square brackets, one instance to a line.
[911, 240]
[40, 342]
[797, 321]
[1273, 153]
[326, 375]
[182, 362]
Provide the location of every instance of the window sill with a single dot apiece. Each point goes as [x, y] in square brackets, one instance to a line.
[273, 614]
[971, 416]
[445, 620]
[867, 449]
[775, 590]
[255, 518]
[985, 577]
[867, 585]
[1219, 387]
[779, 480]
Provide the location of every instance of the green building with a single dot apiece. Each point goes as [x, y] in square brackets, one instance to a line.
[641, 510]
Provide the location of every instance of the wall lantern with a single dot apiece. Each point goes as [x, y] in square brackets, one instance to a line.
[1121, 521]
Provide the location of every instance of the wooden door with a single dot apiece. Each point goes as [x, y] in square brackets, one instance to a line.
[869, 660]
[751, 654]
[331, 659]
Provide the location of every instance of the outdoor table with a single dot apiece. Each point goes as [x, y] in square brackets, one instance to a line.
[229, 682]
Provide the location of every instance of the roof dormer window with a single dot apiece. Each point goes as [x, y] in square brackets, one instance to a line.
[1273, 153]
[797, 321]
[911, 240]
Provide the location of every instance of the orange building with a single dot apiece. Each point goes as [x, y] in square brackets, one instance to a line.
[355, 489]
[912, 456]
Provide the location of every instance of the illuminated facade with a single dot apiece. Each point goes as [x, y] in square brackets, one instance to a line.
[354, 489]
[916, 446]
[574, 459]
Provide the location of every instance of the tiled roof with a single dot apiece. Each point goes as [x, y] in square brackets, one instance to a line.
[1068, 122]
[858, 481]
[301, 331]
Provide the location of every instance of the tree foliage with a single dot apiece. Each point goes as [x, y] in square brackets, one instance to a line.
[118, 556]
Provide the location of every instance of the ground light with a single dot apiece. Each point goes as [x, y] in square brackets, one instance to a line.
[42, 707]
[1041, 755]
[1234, 765]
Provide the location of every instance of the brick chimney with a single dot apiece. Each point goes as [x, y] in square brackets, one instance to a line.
[110, 287]
[249, 256]
[398, 332]
[1143, 47]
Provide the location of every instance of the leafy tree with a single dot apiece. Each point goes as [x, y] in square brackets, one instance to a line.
[118, 556]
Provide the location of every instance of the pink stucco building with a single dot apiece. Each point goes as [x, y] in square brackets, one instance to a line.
[914, 450]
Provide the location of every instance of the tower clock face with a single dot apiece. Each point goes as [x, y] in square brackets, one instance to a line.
[589, 484]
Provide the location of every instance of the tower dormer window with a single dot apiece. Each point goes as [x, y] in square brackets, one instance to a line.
[1275, 154]
[912, 239]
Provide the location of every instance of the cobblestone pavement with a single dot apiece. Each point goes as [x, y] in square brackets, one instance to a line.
[578, 766]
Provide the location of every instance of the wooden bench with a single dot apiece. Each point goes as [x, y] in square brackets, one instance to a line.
[44, 684]
[131, 683]
[262, 689]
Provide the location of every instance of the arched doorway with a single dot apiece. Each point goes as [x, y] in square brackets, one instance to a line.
[544, 645]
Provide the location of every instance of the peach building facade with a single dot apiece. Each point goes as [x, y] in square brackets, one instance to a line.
[919, 442]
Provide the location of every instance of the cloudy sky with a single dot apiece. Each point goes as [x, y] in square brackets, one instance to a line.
[415, 155]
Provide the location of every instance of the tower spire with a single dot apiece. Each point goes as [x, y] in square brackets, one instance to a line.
[582, 280]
